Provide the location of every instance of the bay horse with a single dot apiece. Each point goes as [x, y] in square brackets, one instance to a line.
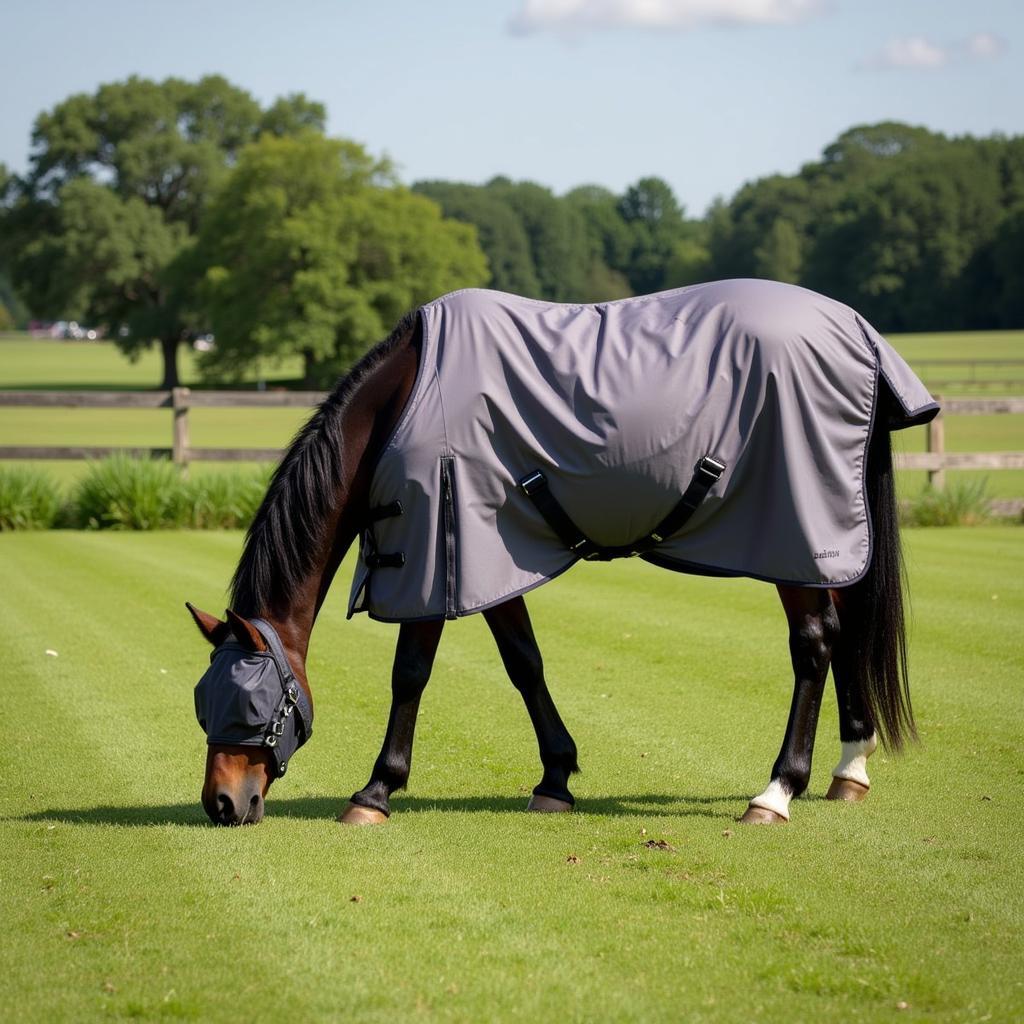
[330, 488]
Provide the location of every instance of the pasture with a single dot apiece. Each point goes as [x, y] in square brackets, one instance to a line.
[648, 904]
[27, 363]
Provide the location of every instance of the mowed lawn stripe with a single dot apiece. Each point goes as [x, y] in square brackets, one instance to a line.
[472, 911]
[100, 883]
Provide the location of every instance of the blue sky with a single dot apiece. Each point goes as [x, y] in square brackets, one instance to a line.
[705, 93]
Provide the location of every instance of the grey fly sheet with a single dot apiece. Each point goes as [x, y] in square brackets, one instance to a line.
[718, 429]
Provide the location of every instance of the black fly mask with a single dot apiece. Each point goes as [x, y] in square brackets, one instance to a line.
[252, 699]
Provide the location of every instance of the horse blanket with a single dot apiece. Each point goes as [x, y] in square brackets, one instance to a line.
[615, 403]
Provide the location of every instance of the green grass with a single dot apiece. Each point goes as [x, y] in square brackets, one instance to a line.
[118, 901]
[919, 348]
[42, 363]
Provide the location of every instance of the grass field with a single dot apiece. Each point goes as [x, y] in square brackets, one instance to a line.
[27, 362]
[118, 901]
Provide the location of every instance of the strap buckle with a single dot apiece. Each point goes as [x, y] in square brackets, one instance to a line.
[709, 470]
[532, 483]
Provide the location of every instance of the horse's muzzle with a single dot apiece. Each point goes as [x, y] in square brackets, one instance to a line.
[241, 806]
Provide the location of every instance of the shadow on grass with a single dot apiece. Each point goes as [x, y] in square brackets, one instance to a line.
[191, 815]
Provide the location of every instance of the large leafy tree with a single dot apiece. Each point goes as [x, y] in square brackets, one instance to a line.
[556, 235]
[501, 233]
[118, 185]
[900, 245]
[312, 248]
[656, 224]
[609, 241]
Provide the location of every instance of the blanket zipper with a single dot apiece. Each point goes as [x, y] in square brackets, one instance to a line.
[450, 567]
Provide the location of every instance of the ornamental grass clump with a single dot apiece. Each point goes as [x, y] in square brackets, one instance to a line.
[963, 503]
[124, 493]
[226, 500]
[29, 499]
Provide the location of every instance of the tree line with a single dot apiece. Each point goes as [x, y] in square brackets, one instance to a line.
[165, 210]
[918, 231]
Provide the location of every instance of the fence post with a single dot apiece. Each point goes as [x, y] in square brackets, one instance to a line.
[180, 443]
[937, 443]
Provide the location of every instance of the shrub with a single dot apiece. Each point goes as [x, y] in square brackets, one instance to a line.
[123, 493]
[227, 500]
[964, 503]
[29, 499]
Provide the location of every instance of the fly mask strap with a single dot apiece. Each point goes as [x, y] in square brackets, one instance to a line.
[293, 699]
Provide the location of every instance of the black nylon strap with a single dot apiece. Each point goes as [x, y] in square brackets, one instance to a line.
[392, 560]
[535, 487]
[705, 475]
[292, 691]
[373, 558]
[388, 511]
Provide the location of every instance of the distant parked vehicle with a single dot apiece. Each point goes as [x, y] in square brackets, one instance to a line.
[74, 331]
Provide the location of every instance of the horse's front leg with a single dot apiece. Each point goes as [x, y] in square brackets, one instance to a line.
[414, 659]
[513, 633]
[813, 630]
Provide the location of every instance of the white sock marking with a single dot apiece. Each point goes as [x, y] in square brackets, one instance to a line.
[854, 760]
[775, 798]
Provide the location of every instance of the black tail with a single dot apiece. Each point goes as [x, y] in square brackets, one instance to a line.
[874, 606]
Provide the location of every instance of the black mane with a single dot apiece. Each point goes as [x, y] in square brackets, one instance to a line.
[284, 538]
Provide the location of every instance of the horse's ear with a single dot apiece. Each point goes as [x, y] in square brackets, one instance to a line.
[209, 625]
[245, 632]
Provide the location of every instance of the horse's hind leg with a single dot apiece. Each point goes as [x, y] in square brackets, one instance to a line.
[856, 726]
[510, 625]
[813, 630]
[414, 659]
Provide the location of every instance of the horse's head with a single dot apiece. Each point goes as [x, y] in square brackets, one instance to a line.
[254, 711]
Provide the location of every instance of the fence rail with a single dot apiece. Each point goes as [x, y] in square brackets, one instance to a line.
[935, 461]
[178, 400]
[970, 375]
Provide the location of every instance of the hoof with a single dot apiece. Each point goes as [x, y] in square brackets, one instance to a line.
[548, 804]
[356, 814]
[761, 816]
[846, 789]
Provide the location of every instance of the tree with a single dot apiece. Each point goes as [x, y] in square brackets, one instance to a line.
[778, 258]
[1008, 266]
[311, 248]
[501, 233]
[902, 245]
[556, 234]
[610, 242]
[655, 220]
[119, 182]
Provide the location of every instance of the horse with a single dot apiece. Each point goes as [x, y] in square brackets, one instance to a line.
[499, 439]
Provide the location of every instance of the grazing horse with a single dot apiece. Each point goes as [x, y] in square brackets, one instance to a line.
[739, 428]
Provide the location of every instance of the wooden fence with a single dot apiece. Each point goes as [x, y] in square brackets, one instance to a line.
[970, 373]
[935, 461]
[179, 400]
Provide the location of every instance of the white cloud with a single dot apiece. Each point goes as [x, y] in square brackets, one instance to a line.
[909, 52]
[577, 15]
[919, 53]
[984, 46]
